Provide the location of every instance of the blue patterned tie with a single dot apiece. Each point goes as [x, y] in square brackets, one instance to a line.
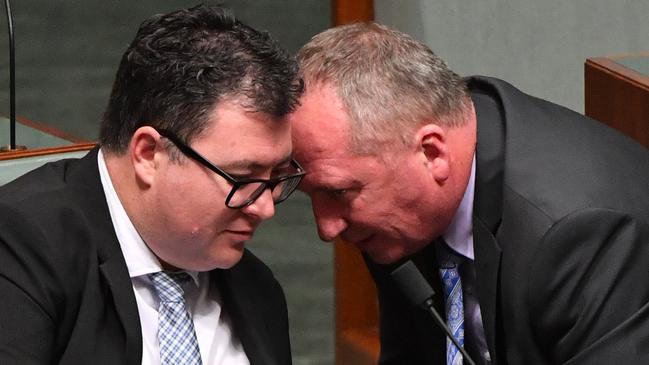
[178, 344]
[454, 309]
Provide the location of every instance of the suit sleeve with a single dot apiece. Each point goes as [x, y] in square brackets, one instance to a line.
[589, 291]
[27, 329]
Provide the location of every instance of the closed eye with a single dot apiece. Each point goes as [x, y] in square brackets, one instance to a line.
[340, 194]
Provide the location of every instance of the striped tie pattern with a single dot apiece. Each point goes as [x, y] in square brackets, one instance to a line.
[454, 311]
[178, 343]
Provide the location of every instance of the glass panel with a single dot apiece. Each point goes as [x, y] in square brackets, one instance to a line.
[30, 135]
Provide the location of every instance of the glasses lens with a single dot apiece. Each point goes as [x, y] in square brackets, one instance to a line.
[284, 188]
[246, 193]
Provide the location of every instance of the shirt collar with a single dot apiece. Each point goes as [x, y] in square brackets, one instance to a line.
[139, 258]
[459, 234]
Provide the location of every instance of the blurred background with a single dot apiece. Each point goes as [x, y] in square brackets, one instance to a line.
[68, 52]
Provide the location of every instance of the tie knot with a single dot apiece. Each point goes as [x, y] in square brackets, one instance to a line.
[447, 258]
[168, 285]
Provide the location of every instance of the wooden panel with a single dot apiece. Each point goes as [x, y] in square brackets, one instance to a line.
[358, 347]
[357, 339]
[9, 155]
[41, 140]
[349, 11]
[352, 280]
[618, 96]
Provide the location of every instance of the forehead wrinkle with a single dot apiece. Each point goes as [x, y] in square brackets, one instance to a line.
[327, 172]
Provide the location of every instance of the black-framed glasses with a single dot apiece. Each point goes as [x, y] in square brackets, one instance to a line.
[244, 191]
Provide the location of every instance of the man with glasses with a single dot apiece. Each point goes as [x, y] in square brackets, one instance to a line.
[135, 254]
[244, 191]
[530, 221]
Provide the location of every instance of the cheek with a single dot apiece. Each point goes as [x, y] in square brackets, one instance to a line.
[392, 209]
[195, 210]
[370, 209]
[326, 205]
[209, 216]
[383, 196]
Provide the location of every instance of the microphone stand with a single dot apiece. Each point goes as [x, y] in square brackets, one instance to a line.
[442, 324]
[417, 290]
[12, 84]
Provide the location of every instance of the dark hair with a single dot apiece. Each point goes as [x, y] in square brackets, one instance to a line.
[181, 64]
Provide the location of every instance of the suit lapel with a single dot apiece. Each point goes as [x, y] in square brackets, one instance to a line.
[430, 333]
[488, 205]
[487, 265]
[245, 314]
[118, 280]
[111, 261]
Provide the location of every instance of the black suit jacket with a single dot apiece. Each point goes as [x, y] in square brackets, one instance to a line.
[561, 239]
[65, 292]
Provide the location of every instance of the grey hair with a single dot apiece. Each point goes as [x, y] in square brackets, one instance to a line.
[389, 83]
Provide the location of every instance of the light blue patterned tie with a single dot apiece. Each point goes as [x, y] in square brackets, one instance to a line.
[454, 310]
[178, 344]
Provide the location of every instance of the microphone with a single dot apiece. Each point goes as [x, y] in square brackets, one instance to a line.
[420, 293]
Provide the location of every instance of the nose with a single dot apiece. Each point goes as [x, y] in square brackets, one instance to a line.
[263, 207]
[330, 223]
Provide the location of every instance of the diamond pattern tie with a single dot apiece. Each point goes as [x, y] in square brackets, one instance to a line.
[454, 310]
[178, 344]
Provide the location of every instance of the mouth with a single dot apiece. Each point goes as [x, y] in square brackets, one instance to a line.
[241, 235]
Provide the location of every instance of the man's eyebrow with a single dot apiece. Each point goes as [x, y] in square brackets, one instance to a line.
[336, 184]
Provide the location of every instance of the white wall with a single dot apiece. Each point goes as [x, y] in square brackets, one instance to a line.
[539, 46]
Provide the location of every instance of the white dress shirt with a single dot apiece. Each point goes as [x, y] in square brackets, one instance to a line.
[217, 343]
[459, 236]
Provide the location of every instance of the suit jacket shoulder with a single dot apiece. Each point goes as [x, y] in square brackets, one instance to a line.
[557, 194]
[67, 290]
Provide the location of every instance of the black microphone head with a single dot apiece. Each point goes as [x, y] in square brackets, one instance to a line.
[412, 283]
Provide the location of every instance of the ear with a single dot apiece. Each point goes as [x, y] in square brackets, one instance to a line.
[145, 145]
[431, 143]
